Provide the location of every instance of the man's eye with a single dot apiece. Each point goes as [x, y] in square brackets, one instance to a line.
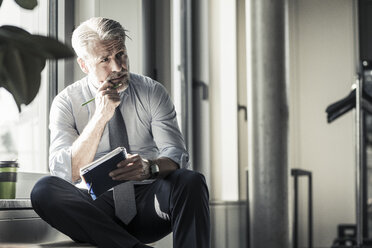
[104, 60]
[120, 54]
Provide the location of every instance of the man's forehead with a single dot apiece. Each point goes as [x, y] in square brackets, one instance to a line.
[101, 49]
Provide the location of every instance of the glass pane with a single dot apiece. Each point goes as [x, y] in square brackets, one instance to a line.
[24, 136]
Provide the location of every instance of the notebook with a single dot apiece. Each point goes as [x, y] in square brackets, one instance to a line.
[96, 174]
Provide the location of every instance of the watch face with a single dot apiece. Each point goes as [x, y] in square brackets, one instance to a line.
[154, 170]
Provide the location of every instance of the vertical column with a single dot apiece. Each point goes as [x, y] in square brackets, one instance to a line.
[360, 163]
[200, 94]
[267, 123]
[186, 74]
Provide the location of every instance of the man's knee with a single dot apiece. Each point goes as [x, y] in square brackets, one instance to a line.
[43, 191]
[192, 182]
[192, 178]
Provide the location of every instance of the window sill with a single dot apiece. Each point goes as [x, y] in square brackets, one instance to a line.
[13, 204]
[24, 185]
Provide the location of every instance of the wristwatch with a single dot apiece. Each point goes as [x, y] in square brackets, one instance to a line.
[154, 169]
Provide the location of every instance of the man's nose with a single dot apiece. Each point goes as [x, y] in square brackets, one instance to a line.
[116, 65]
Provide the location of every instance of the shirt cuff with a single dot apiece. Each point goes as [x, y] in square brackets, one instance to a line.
[60, 164]
[180, 156]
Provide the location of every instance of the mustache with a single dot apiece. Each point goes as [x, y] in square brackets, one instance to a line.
[118, 75]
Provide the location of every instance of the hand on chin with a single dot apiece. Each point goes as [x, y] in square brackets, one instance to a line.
[123, 81]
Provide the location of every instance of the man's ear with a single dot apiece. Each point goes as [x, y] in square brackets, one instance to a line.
[83, 65]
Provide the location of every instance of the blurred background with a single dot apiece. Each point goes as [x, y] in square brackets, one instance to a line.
[207, 54]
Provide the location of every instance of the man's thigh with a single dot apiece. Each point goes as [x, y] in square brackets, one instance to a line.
[152, 221]
[105, 203]
[151, 199]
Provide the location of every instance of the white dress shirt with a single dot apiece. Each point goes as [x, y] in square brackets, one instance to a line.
[149, 116]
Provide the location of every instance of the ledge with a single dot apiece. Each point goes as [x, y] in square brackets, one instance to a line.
[24, 185]
[11, 204]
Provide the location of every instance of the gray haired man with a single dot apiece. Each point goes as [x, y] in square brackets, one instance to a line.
[161, 195]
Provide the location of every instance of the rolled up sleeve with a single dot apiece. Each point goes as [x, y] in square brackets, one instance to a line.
[165, 130]
[62, 135]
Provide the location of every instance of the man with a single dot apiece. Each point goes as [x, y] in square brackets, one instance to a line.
[151, 205]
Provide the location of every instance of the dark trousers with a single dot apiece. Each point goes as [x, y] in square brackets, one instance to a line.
[183, 204]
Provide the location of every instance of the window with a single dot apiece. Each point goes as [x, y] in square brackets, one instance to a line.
[24, 135]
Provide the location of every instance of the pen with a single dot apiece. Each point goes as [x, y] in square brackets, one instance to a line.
[90, 100]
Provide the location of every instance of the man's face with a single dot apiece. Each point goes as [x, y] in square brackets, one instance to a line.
[108, 61]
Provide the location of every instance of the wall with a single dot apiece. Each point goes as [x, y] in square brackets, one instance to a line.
[322, 69]
[128, 13]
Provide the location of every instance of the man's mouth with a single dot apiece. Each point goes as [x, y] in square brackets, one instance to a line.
[118, 79]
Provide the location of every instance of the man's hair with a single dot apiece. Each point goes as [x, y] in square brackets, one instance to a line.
[96, 29]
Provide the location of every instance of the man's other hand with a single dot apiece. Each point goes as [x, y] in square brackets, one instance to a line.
[133, 168]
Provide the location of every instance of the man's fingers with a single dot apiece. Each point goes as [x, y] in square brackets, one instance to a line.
[129, 169]
[129, 177]
[105, 85]
[114, 98]
[127, 173]
[109, 86]
[131, 160]
[126, 169]
[109, 92]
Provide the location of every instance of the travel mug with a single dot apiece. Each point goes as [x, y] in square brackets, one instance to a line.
[8, 179]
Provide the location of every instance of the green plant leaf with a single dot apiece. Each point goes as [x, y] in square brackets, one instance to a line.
[52, 48]
[15, 71]
[15, 29]
[6, 80]
[38, 45]
[33, 67]
[22, 73]
[22, 58]
[1, 1]
[27, 4]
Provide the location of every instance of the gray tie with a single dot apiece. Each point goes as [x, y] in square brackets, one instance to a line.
[124, 197]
